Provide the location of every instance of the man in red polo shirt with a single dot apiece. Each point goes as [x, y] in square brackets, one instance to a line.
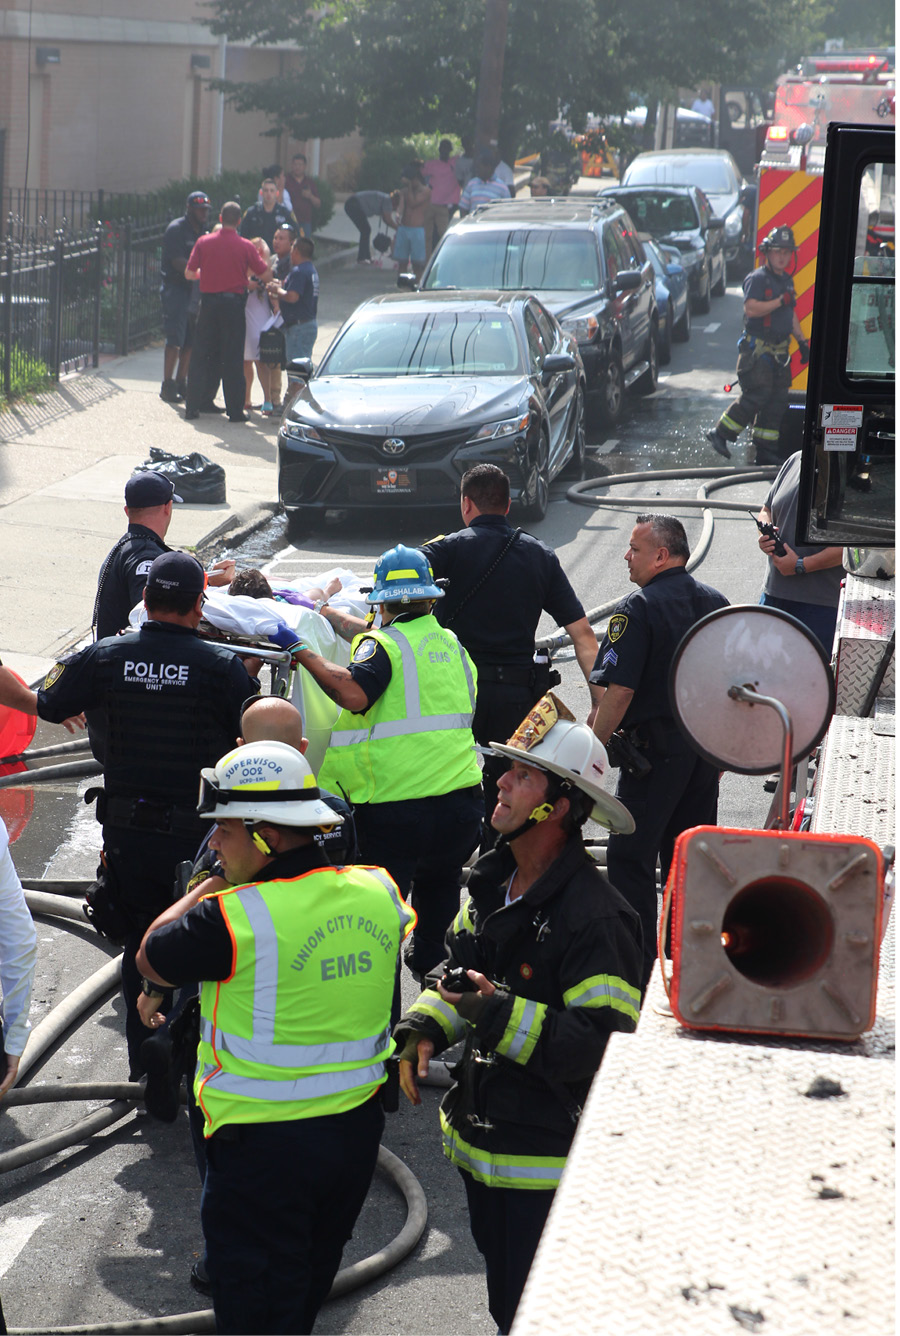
[221, 261]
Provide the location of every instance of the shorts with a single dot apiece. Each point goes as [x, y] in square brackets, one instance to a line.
[300, 338]
[410, 244]
[177, 322]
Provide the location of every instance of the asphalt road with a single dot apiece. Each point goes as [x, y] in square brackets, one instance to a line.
[107, 1233]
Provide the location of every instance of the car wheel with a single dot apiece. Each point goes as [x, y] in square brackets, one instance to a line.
[719, 289]
[665, 342]
[536, 494]
[647, 383]
[682, 330]
[608, 403]
[575, 466]
[702, 302]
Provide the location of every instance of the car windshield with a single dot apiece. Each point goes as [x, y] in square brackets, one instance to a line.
[426, 343]
[658, 213]
[713, 175]
[538, 260]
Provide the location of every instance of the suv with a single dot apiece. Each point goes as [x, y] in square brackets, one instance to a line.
[590, 269]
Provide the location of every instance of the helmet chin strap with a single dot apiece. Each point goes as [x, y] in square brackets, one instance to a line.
[538, 815]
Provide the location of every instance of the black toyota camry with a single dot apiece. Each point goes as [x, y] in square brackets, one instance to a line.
[418, 387]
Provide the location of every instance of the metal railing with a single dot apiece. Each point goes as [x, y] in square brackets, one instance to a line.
[68, 296]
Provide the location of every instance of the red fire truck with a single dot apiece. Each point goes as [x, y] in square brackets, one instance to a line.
[851, 88]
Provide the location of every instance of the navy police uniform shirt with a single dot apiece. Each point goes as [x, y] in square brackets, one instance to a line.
[498, 623]
[162, 703]
[763, 285]
[642, 636]
[123, 576]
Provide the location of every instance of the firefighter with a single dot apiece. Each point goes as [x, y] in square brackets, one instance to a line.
[549, 956]
[402, 749]
[763, 368]
[297, 963]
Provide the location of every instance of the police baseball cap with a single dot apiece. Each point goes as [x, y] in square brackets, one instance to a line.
[198, 197]
[176, 572]
[145, 490]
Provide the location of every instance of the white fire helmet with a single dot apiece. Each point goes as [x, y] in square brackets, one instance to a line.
[548, 739]
[264, 781]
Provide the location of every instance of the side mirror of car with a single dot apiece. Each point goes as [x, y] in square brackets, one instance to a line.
[407, 283]
[716, 224]
[628, 280]
[300, 368]
[557, 363]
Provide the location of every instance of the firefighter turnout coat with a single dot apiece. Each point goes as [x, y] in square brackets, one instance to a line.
[566, 959]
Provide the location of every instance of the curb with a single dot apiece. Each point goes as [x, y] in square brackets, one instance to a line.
[240, 526]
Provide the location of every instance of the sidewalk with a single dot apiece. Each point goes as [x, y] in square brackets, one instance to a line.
[65, 459]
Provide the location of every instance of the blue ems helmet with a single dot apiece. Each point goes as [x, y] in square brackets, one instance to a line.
[403, 575]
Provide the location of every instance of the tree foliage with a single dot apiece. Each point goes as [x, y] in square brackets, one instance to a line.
[400, 67]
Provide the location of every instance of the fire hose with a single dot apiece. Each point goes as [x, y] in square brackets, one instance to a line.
[124, 1095]
[717, 478]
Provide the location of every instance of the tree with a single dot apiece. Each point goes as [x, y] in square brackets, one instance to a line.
[397, 67]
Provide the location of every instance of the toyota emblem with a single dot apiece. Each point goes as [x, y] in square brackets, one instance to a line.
[393, 446]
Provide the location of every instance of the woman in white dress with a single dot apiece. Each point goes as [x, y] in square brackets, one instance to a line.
[259, 315]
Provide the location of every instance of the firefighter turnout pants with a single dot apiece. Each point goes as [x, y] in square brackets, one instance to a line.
[765, 382]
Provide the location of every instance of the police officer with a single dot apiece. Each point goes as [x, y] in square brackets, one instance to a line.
[552, 955]
[764, 368]
[402, 750]
[297, 962]
[161, 703]
[500, 580]
[149, 498]
[630, 690]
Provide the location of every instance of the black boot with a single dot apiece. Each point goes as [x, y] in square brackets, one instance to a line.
[168, 392]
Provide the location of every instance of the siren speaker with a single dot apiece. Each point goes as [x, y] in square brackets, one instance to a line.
[775, 932]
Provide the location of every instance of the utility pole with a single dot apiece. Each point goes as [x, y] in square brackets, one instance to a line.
[490, 80]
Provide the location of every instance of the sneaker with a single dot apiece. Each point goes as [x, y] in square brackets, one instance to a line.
[200, 1277]
[718, 442]
[181, 387]
[168, 392]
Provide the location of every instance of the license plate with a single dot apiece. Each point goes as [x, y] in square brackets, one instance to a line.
[394, 482]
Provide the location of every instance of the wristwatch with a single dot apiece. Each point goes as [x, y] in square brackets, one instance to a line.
[800, 569]
[152, 989]
[319, 604]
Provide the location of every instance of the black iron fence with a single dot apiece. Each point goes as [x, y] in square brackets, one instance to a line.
[68, 296]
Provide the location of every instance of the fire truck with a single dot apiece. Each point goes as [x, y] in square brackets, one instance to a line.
[852, 88]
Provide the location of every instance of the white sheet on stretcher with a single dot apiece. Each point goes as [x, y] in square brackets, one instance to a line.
[259, 618]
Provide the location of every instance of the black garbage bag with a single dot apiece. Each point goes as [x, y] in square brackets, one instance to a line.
[196, 478]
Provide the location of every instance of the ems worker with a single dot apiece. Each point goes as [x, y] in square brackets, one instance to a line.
[630, 690]
[764, 366]
[161, 703]
[220, 260]
[297, 963]
[401, 750]
[149, 497]
[499, 581]
[552, 955]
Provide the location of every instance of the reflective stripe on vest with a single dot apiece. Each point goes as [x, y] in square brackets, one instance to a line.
[415, 741]
[301, 1027]
[501, 1171]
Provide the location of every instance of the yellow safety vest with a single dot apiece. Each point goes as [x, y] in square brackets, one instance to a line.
[416, 740]
[301, 1027]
